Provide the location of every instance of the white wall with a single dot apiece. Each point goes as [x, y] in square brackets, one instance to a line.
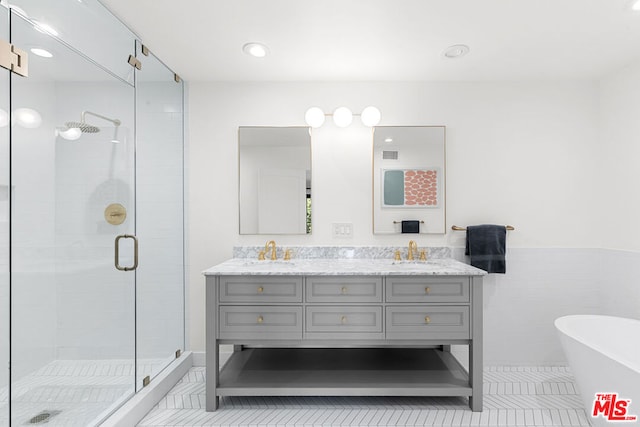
[617, 169]
[619, 182]
[517, 153]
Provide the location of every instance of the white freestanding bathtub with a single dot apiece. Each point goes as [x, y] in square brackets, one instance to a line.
[604, 355]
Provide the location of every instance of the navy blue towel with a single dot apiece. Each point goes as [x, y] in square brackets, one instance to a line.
[486, 246]
[411, 226]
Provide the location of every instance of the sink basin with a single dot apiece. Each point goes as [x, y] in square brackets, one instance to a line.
[266, 262]
[406, 261]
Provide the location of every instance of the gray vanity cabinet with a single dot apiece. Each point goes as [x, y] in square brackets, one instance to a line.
[344, 335]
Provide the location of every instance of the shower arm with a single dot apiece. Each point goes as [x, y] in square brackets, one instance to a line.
[116, 122]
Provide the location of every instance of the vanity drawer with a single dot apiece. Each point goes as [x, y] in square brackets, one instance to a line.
[343, 319]
[427, 289]
[279, 289]
[260, 322]
[344, 289]
[427, 322]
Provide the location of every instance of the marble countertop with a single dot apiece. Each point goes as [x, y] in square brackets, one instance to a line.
[343, 267]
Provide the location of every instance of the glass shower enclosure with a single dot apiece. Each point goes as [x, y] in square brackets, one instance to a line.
[91, 215]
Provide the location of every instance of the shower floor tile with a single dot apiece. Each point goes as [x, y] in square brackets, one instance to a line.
[522, 396]
[73, 392]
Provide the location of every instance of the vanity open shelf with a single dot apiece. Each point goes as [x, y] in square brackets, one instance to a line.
[343, 372]
[344, 328]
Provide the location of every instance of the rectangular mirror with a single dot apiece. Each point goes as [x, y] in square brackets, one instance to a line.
[274, 180]
[408, 179]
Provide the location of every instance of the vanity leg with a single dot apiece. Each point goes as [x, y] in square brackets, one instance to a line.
[445, 348]
[475, 377]
[212, 361]
[212, 355]
[475, 347]
[238, 348]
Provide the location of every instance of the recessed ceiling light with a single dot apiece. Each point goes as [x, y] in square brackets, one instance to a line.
[255, 49]
[41, 52]
[387, 140]
[456, 51]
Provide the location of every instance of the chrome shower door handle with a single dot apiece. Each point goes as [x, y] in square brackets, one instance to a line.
[135, 252]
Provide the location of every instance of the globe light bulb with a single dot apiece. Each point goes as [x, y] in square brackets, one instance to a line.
[314, 117]
[342, 117]
[370, 116]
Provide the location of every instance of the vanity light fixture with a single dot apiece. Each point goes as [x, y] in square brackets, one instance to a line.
[456, 51]
[314, 117]
[342, 116]
[370, 116]
[255, 49]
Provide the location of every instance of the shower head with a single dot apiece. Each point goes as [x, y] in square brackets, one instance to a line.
[89, 128]
[84, 127]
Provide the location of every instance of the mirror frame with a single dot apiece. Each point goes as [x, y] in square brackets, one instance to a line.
[308, 179]
[426, 216]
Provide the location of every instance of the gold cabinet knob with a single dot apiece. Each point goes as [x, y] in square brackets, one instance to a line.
[344, 290]
[343, 319]
[260, 319]
[427, 290]
[260, 289]
[427, 319]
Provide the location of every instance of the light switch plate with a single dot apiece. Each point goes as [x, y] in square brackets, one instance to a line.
[342, 229]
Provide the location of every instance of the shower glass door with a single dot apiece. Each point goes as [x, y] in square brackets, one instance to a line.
[73, 311]
[159, 216]
[5, 208]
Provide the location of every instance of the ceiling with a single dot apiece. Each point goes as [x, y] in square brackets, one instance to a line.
[386, 40]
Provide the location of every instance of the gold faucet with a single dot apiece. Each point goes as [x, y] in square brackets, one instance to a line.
[413, 246]
[272, 244]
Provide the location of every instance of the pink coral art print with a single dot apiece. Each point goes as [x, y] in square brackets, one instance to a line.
[421, 188]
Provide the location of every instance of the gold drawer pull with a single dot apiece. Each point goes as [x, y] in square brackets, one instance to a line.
[427, 290]
[427, 319]
[343, 319]
[260, 319]
[344, 290]
[260, 289]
